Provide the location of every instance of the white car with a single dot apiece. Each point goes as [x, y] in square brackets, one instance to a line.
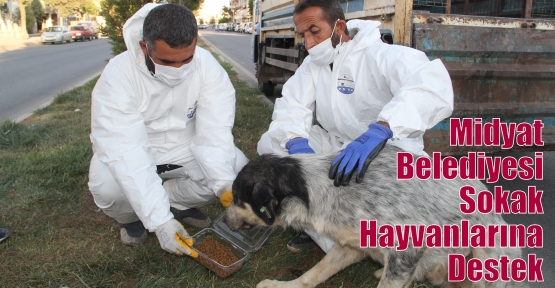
[55, 34]
[222, 26]
[247, 28]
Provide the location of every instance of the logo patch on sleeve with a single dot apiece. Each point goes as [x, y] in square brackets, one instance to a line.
[191, 111]
[345, 84]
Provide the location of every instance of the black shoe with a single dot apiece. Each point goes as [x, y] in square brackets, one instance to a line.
[192, 217]
[3, 234]
[300, 242]
[133, 234]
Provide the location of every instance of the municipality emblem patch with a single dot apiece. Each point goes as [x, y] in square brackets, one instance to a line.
[346, 84]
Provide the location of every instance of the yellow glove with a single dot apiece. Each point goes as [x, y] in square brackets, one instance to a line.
[226, 198]
[174, 239]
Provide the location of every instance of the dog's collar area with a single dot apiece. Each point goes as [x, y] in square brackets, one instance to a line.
[265, 211]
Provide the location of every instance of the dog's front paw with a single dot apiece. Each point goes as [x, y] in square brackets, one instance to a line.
[271, 284]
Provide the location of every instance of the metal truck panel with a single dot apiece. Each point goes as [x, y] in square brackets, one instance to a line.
[267, 6]
[283, 12]
[350, 6]
[496, 73]
[421, 17]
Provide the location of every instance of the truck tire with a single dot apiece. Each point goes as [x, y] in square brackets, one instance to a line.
[266, 88]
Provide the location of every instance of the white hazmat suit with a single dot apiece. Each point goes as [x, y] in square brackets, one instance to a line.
[371, 81]
[138, 122]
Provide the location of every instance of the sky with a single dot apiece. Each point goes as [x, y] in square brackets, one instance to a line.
[213, 6]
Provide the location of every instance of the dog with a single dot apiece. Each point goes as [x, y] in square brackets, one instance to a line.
[295, 191]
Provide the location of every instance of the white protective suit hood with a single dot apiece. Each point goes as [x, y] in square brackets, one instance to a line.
[138, 122]
[363, 33]
[371, 81]
[133, 33]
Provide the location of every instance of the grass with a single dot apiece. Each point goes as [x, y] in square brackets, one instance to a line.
[59, 238]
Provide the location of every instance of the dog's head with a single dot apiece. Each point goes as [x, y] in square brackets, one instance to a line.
[259, 189]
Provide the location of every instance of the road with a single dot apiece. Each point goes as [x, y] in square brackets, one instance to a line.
[233, 44]
[237, 47]
[31, 77]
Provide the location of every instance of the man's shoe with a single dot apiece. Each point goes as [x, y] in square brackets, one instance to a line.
[192, 217]
[133, 234]
[300, 242]
[3, 234]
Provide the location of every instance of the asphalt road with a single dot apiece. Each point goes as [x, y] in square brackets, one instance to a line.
[237, 47]
[31, 77]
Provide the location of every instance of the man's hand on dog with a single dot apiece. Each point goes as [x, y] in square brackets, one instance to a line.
[359, 153]
[298, 146]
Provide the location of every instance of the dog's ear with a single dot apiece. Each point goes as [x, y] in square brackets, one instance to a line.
[242, 187]
[264, 203]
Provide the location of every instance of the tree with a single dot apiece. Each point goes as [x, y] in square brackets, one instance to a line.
[74, 7]
[200, 21]
[191, 4]
[38, 12]
[116, 12]
[251, 6]
[212, 20]
[227, 15]
[22, 17]
[5, 11]
[29, 18]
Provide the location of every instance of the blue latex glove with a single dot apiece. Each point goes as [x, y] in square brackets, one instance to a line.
[362, 151]
[298, 146]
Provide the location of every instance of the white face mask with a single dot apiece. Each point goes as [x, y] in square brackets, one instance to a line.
[324, 53]
[168, 75]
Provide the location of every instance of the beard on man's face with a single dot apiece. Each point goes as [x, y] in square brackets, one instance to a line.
[149, 64]
[335, 39]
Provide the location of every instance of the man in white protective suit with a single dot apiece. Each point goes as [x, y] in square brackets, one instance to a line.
[162, 109]
[353, 93]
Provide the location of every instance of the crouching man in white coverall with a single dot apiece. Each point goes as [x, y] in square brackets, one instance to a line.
[164, 108]
[362, 92]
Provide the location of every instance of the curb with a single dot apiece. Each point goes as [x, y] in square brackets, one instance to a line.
[32, 41]
[242, 72]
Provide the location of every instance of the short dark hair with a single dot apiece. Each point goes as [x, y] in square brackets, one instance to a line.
[175, 24]
[331, 8]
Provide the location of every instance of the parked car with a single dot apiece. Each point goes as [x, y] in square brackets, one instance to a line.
[228, 27]
[91, 26]
[221, 27]
[247, 28]
[202, 26]
[80, 32]
[55, 34]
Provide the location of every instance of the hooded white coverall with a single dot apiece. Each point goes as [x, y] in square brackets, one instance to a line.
[138, 122]
[371, 81]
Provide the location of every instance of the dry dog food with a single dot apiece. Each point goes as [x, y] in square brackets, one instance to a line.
[219, 253]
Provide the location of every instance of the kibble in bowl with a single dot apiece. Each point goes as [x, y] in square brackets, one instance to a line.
[218, 253]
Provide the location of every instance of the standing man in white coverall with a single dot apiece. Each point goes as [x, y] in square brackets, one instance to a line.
[164, 108]
[363, 93]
